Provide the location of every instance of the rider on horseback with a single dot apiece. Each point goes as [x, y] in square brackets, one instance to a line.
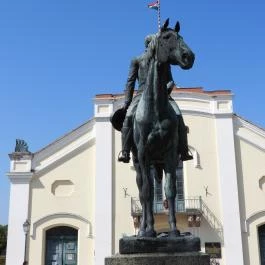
[138, 71]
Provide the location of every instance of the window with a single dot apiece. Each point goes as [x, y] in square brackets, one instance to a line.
[261, 231]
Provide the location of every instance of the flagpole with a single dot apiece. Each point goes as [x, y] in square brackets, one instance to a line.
[159, 15]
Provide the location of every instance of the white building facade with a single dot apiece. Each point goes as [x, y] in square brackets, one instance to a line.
[80, 201]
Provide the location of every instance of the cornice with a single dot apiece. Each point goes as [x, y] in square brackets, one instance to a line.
[64, 146]
[68, 137]
[20, 155]
[176, 90]
[193, 101]
[58, 216]
[249, 132]
[20, 177]
[241, 122]
[251, 218]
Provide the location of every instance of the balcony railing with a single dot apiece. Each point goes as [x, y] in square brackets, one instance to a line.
[194, 205]
[187, 205]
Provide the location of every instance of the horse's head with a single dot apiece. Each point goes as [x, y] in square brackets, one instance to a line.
[172, 48]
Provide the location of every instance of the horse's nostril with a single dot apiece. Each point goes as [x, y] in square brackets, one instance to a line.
[185, 57]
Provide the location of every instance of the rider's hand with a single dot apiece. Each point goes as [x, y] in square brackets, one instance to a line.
[126, 106]
[170, 85]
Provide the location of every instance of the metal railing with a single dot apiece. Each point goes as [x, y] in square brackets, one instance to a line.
[190, 205]
[212, 219]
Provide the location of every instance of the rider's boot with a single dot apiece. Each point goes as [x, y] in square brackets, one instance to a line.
[124, 155]
[183, 143]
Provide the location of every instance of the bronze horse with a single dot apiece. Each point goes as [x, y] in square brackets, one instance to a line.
[155, 125]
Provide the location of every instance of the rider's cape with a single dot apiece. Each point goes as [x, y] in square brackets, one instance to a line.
[117, 118]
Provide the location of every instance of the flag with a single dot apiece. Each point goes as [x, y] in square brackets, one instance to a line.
[154, 5]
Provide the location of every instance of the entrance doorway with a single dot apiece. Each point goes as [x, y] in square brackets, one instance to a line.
[261, 231]
[61, 246]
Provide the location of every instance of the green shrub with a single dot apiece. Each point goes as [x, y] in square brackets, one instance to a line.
[3, 239]
[2, 260]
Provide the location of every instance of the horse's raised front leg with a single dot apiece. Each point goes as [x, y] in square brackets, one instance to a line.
[170, 192]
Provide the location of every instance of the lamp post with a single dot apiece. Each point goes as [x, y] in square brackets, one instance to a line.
[26, 226]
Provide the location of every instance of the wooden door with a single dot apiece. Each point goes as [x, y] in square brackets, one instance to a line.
[61, 246]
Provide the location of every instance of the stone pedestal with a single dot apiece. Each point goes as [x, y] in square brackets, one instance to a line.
[188, 258]
[180, 244]
[181, 250]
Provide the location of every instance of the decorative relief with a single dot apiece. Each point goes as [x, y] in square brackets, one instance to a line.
[62, 188]
[21, 146]
[262, 182]
[196, 157]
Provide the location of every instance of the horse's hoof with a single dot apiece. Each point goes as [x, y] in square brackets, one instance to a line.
[174, 233]
[141, 233]
[150, 233]
[147, 233]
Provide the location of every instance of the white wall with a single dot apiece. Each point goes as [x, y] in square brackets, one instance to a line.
[20, 176]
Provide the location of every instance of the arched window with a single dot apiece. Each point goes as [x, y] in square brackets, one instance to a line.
[261, 231]
[61, 246]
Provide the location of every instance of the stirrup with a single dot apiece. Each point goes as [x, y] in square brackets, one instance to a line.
[186, 156]
[124, 156]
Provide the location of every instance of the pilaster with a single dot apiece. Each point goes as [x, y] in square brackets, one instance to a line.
[20, 176]
[104, 178]
[229, 190]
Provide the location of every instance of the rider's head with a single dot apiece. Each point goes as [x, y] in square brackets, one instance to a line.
[148, 39]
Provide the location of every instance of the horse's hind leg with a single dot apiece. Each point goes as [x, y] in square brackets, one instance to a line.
[150, 232]
[170, 191]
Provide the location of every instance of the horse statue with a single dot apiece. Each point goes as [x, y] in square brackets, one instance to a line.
[155, 126]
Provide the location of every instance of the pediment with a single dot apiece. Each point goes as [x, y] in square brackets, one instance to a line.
[68, 144]
[249, 132]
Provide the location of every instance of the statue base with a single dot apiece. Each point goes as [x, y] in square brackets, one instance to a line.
[188, 258]
[180, 244]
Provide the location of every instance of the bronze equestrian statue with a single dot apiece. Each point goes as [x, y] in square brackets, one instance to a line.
[156, 134]
[138, 71]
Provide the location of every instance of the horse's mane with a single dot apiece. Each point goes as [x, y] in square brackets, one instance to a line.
[152, 47]
[150, 51]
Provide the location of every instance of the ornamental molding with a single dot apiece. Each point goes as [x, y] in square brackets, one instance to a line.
[253, 217]
[250, 133]
[20, 177]
[240, 122]
[57, 217]
[197, 105]
[20, 156]
[196, 157]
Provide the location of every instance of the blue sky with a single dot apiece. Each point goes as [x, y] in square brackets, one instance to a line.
[55, 55]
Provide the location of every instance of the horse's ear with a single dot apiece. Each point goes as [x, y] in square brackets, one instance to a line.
[177, 27]
[164, 27]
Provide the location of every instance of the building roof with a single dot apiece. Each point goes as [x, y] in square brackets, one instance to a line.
[78, 132]
[198, 90]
